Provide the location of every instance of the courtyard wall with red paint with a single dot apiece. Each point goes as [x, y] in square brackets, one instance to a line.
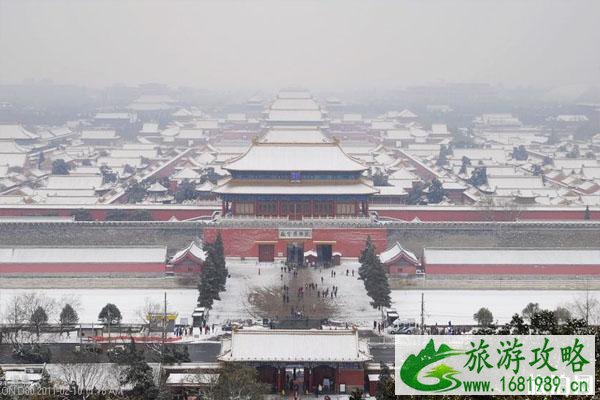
[80, 268]
[243, 242]
[512, 269]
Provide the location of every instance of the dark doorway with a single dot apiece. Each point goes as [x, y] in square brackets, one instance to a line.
[324, 254]
[295, 254]
[266, 252]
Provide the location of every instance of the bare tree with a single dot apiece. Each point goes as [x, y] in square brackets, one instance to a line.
[586, 307]
[18, 315]
[89, 376]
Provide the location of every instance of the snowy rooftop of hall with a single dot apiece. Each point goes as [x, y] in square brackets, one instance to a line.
[511, 256]
[295, 157]
[294, 94]
[271, 187]
[294, 136]
[295, 115]
[295, 346]
[15, 132]
[395, 252]
[132, 254]
[192, 249]
[294, 104]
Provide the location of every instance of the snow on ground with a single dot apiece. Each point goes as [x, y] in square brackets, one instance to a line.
[441, 306]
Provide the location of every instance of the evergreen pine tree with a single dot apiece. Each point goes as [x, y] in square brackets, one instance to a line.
[138, 374]
[377, 284]
[45, 381]
[385, 386]
[210, 279]
[587, 215]
[68, 316]
[365, 258]
[219, 253]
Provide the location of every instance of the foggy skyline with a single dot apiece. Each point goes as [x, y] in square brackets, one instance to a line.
[329, 44]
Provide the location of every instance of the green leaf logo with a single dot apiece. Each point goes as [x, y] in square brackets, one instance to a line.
[409, 372]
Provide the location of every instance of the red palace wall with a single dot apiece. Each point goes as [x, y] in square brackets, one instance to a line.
[353, 378]
[243, 242]
[475, 269]
[401, 268]
[185, 266]
[84, 268]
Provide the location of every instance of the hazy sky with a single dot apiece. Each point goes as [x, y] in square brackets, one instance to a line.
[318, 44]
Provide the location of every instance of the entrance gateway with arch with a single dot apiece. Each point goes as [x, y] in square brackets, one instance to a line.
[267, 242]
[296, 248]
[289, 360]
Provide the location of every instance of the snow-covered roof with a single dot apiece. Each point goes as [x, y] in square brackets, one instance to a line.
[241, 186]
[191, 379]
[236, 117]
[150, 153]
[186, 173]
[383, 125]
[398, 134]
[11, 147]
[295, 346]
[120, 162]
[294, 136]
[295, 115]
[511, 256]
[192, 250]
[498, 155]
[396, 190]
[516, 182]
[294, 94]
[294, 157]
[191, 134]
[150, 128]
[574, 163]
[403, 174]
[72, 182]
[207, 124]
[182, 112]
[571, 118]
[294, 104]
[205, 187]
[396, 252]
[12, 132]
[407, 114]
[156, 187]
[99, 135]
[439, 129]
[115, 115]
[13, 159]
[352, 117]
[155, 98]
[137, 254]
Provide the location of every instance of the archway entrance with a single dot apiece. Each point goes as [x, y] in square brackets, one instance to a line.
[295, 254]
[324, 254]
